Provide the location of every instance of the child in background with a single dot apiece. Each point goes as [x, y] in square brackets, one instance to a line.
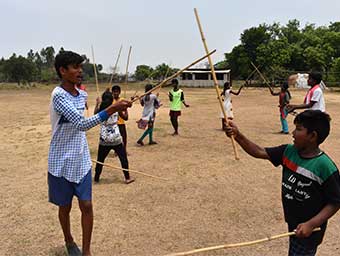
[314, 98]
[284, 98]
[310, 179]
[176, 97]
[150, 103]
[226, 94]
[123, 116]
[110, 139]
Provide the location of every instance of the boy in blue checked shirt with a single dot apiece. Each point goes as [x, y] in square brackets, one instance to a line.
[310, 179]
[69, 162]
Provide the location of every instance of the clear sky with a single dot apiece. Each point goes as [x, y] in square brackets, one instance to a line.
[159, 31]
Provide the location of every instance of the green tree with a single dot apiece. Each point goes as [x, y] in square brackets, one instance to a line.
[335, 70]
[161, 71]
[47, 56]
[143, 72]
[19, 69]
[239, 62]
[252, 38]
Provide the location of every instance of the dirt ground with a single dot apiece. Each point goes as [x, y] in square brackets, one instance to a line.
[209, 198]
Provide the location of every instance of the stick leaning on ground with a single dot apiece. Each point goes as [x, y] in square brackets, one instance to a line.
[226, 246]
[95, 70]
[115, 67]
[129, 170]
[173, 76]
[216, 83]
[127, 71]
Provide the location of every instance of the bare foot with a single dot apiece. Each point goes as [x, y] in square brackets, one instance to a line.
[128, 181]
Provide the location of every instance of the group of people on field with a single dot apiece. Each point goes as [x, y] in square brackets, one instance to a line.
[310, 179]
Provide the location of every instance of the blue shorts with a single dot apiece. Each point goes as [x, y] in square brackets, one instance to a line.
[61, 191]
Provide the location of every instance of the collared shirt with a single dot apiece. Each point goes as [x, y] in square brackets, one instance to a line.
[69, 155]
[315, 94]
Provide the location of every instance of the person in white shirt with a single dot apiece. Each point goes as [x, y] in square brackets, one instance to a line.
[314, 99]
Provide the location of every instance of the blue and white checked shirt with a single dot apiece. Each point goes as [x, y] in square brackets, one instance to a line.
[69, 154]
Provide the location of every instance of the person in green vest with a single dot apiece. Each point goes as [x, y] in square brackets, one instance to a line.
[176, 97]
[310, 187]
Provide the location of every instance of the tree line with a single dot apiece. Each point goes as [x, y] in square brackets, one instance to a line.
[283, 50]
[279, 50]
[39, 67]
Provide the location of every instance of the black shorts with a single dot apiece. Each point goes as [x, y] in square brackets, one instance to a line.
[174, 113]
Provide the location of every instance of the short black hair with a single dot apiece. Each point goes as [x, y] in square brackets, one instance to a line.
[316, 76]
[174, 81]
[65, 58]
[315, 120]
[116, 87]
[148, 87]
[107, 100]
[285, 85]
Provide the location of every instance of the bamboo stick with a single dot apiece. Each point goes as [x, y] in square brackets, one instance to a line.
[127, 72]
[250, 75]
[115, 66]
[129, 170]
[95, 70]
[173, 76]
[216, 83]
[226, 246]
[258, 71]
[294, 113]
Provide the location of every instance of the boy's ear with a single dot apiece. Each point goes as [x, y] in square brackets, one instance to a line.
[314, 136]
[62, 70]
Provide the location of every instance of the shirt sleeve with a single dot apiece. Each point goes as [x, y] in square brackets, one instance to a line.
[68, 110]
[316, 95]
[275, 154]
[331, 189]
[156, 103]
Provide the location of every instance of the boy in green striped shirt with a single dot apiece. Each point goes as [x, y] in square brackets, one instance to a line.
[310, 179]
[176, 97]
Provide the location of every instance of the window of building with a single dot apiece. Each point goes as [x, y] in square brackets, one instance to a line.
[201, 76]
[219, 76]
[186, 76]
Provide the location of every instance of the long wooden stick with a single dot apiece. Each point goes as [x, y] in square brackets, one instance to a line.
[173, 76]
[262, 76]
[95, 70]
[216, 82]
[226, 246]
[129, 170]
[251, 75]
[127, 72]
[115, 66]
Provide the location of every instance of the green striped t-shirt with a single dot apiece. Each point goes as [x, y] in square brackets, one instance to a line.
[308, 185]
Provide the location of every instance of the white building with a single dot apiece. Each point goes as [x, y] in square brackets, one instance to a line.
[199, 77]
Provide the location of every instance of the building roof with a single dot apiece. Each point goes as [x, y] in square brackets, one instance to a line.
[204, 70]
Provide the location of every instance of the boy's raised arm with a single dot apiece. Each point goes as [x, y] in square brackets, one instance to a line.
[250, 147]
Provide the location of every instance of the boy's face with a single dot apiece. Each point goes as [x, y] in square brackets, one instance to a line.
[72, 74]
[311, 81]
[302, 138]
[115, 94]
